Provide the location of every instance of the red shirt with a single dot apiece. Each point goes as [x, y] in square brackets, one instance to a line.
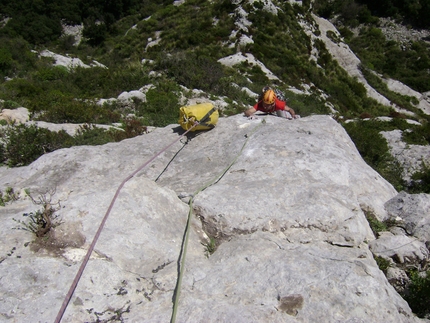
[279, 105]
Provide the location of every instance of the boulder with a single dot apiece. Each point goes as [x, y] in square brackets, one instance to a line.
[400, 248]
[413, 213]
[277, 231]
[20, 115]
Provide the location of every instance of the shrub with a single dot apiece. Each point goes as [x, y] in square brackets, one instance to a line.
[6, 61]
[192, 71]
[95, 33]
[305, 105]
[161, 107]
[7, 196]
[23, 144]
[89, 134]
[22, 90]
[43, 220]
[418, 293]
[51, 73]
[56, 107]
[418, 135]
[8, 104]
[34, 27]
[420, 181]
[133, 127]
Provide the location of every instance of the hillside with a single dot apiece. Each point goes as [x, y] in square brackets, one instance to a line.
[132, 69]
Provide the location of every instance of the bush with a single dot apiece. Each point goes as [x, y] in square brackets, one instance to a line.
[306, 105]
[34, 27]
[418, 293]
[43, 220]
[88, 134]
[6, 61]
[419, 135]
[95, 33]
[192, 71]
[8, 196]
[21, 144]
[24, 144]
[161, 107]
[420, 181]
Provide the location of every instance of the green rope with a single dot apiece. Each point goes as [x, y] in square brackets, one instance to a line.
[187, 229]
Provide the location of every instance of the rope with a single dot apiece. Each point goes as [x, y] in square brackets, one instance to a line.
[93, 243]
[184, 247]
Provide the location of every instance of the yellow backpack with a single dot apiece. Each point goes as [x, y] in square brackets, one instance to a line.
[204, 113]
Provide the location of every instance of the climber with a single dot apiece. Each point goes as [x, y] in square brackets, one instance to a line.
[269, 103]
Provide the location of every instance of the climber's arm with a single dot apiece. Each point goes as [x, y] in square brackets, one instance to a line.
[250, 112]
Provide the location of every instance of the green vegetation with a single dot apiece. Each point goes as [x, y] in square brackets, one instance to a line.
[210, 246]
[354, 12]
[421, 181]
[408, 63]
[7, 196]
[389, 59]
[22, 144]
[374, 148]
[376, 225]
[418, 293]
[382, 263]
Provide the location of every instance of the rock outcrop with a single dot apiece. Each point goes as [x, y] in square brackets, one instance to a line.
[278, 232]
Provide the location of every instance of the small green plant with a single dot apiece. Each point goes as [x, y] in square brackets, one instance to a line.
[40, 222]
[210, 246]
[7, 196]
[376, 225]
[382, 263]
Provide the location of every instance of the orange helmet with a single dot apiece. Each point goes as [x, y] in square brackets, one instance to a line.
[269, 97]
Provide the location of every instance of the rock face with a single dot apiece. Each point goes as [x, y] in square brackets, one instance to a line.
[282, 201]
[414, 212]
[411, 157]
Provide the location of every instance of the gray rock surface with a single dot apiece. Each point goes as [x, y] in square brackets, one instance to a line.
[282, 199]
[410, 157]
[413, 211]
[399, 247]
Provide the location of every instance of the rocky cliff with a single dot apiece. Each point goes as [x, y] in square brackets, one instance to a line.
[278, 229]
